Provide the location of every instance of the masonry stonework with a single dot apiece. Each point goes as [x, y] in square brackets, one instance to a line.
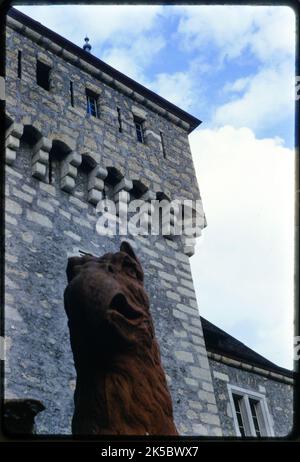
[277, 392]
[60, 162]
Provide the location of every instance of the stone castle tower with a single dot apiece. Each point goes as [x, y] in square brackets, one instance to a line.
[77, 129]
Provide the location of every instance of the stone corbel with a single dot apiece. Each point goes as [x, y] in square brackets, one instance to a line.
[69, 168]
[190, 232]
[145, 220]
[40, 158]
[12, 142]
[189, 243]
[121, 194]
[169, 222]
[96, 184]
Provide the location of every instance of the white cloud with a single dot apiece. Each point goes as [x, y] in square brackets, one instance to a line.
[267, 31]
[126, 37]
[259, 101]
[100, 22]
[276, 34]
[133, 56]
[227, 33]
[238, 85]
[243, 267]
[178, 87]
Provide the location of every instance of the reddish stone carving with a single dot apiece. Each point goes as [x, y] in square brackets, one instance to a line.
[121, 387]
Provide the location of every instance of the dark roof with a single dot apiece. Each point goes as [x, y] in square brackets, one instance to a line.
[218, 341]
[102, 66]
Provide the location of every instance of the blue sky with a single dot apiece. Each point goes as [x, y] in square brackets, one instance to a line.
[233, 67]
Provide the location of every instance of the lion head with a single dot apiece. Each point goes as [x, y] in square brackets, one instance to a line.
[106, 301]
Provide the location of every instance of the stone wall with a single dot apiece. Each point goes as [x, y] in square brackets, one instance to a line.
[45, 223]
[51, 112]
[278, 394]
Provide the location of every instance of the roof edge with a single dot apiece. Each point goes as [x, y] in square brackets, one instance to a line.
[280, 374]
[192, 121]
[222, 344]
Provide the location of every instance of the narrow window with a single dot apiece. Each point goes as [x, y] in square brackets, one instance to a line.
[19, 64]
[119, 119]
[253, 406]
[50, 169]
[238, 410]
[71, 93]
[139, 130]
[163, 144]
[91, 103]
[43, 75]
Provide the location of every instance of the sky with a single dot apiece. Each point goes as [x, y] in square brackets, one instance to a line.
[233, 68]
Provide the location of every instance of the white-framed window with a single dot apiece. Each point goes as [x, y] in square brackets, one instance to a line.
[250, 412]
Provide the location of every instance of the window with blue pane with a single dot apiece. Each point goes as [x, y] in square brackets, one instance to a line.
[139, 130]
[92, 104]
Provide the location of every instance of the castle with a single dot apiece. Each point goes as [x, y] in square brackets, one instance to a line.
[77, 130]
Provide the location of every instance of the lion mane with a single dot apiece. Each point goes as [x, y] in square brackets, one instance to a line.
[121, 387]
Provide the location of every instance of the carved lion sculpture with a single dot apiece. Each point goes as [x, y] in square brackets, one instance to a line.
[121, 387]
